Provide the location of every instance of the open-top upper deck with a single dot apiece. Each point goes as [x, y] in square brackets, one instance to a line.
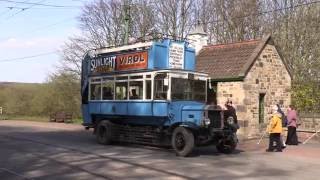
[153, 55]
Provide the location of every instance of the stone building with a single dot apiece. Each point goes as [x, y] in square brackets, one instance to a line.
[250, 73]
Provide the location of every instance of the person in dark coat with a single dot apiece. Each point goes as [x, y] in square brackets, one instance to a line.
[284, 124]
[230, 111]
[292, 138]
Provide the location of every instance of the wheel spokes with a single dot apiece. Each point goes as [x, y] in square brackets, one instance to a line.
[180, 141]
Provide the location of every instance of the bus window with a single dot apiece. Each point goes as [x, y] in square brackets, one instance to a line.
[136, 77]
[199, 89]
[121, 90]
[95, 92]
[161, 86]
[136, 90]
[122, 78]
[107, 90]
[148, 89]
[186, 89]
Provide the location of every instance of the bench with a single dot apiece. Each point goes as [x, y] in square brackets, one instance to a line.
[61, 117]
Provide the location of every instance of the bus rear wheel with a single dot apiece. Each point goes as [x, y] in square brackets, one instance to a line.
[104, 133]
[182, 141]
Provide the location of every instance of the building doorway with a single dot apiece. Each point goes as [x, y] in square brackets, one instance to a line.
[261, 108]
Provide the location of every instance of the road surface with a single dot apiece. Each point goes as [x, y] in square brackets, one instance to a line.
[34, 150]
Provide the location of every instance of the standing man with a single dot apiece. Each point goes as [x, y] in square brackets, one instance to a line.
[230, 111]
[275, 129]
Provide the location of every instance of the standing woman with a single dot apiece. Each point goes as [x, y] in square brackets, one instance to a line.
[292, 138]
[275, 129]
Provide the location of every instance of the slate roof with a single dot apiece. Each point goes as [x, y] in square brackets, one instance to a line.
[230, 61]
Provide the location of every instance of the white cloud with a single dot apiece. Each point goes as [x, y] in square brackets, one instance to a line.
[12, 40]
[18, 44]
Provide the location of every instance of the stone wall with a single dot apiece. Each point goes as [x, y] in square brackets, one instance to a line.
[267, 76]
[233, 91]
[309, 121]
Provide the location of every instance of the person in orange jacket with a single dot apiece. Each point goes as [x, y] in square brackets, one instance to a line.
[275, 129]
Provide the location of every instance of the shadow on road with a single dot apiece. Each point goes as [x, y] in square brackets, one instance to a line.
[83, 138]
[66, 153]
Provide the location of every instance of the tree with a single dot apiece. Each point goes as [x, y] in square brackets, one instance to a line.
[102, 25]
[174, 17]
[63, 94]
[294, 25]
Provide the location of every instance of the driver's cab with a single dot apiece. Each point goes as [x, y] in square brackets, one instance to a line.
[180, 86]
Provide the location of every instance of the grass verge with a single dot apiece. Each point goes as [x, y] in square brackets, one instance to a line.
[36, 119]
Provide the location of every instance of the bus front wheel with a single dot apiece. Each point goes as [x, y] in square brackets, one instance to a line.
[182, 141]
[104, 133]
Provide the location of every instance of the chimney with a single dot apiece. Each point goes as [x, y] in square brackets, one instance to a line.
[198, 38]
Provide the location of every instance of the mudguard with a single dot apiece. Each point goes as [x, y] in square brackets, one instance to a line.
[189, 125]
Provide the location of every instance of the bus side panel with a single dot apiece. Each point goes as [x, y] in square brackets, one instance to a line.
[185, 111]
[140, 109]
[130, 108]
[86, 114]
[94, 107]
[160, 109]
[106, 108]
[160, 57]
[114, 108]
[189, 60]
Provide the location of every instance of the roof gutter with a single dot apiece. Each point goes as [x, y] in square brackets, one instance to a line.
[227, 79]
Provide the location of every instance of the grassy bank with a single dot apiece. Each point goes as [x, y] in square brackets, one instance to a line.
[36, 118]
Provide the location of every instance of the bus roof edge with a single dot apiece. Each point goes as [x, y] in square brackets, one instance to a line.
[122, 48]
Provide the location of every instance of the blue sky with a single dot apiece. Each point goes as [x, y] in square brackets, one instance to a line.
[33, 31]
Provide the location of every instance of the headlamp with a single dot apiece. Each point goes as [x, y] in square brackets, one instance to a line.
[230, 120]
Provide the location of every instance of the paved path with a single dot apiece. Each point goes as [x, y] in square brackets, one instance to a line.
[33, 150]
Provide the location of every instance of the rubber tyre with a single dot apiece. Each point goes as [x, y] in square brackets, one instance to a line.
[182, 141]
[104, 133]
[226, 146]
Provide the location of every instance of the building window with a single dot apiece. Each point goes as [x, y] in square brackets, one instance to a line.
[261, 108]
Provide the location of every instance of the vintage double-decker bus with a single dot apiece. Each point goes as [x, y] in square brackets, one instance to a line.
[149, 93]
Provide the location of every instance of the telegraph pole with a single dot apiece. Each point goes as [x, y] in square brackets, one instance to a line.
[126, 20]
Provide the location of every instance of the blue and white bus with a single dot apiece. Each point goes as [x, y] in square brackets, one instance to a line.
[149, 93]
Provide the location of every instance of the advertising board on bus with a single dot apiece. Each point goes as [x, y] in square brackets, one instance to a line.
[119, 62]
